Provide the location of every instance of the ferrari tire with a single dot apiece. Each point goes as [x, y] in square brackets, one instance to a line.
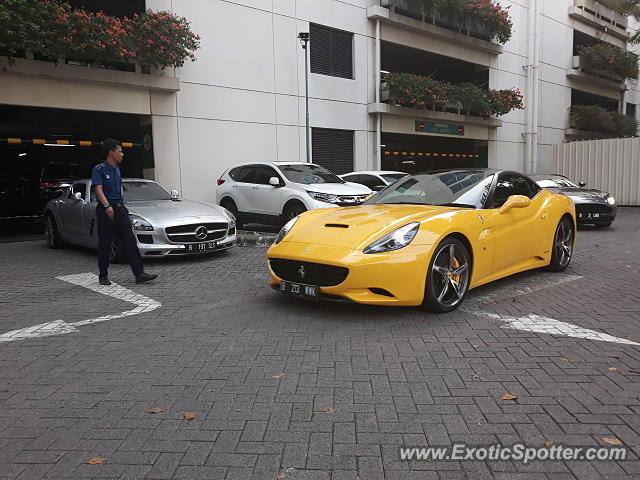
[116, 255]
[603, 225]
[233, 208]
[448, 277]
[562, 249]
[51, 234]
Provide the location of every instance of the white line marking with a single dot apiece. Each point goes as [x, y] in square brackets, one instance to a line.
[90, 281]
[536, 323]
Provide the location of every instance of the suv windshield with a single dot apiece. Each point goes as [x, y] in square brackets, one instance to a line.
[309, 174]
[555, 182]
[468, 189]
[144, 192]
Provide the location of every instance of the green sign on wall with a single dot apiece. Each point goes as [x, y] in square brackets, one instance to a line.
[440, 128]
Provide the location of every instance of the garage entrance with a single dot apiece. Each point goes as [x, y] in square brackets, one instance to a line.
[418, 153]
[43, 149]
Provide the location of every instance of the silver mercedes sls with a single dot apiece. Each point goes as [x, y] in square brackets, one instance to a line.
[164, 225]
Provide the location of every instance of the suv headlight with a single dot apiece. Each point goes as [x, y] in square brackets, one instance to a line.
[140, 224]
[323, 197]
[611, 200]
[395, 240]
[287, 227]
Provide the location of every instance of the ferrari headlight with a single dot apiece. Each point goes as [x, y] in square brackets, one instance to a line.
[611, 200]
[287, 227]
[395, 240]
[323, 197]
[140, 224]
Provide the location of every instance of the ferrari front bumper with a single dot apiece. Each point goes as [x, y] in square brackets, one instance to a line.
[393, 278]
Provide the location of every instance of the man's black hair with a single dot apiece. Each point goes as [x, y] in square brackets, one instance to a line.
[108, 145]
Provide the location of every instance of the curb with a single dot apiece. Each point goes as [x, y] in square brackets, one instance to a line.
[255, 239]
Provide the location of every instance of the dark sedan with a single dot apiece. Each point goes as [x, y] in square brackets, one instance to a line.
[593, 206]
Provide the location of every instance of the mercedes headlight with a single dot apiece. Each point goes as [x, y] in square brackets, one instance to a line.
[140, 224]
[287, 227]
[611, 200]
[323, 197]
[231, 217]
[395, 240]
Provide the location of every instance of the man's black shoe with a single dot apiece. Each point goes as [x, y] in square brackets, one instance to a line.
[104, 281]
[146, 277]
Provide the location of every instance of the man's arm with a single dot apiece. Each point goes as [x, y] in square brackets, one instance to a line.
[103, 201]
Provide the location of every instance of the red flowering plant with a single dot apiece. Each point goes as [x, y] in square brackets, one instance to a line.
[53, 29]
[162, 39]
[502, 102]
[493, 17]
[603, 57]
[427, 93]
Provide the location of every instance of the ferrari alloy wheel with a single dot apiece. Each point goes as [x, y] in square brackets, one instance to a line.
[51, 233]
[562, 246]
[448, 277]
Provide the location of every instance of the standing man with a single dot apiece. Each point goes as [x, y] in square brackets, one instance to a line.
[113, 216]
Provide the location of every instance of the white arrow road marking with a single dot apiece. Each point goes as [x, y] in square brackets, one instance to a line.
[536, 323]
[90, 281]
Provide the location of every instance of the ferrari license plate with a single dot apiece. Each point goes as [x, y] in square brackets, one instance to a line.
[200, 247]
[299, 290]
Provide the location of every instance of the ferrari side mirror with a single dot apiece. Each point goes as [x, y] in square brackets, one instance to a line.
[582, 184]
[515, 201]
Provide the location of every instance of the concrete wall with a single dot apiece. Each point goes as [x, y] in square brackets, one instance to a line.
[243, 100]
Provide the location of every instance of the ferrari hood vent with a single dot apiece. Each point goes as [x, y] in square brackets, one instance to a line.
[336, 225]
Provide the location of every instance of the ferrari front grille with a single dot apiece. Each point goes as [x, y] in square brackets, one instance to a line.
[308, 273]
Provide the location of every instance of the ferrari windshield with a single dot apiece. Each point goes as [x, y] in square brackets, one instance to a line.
[144, 192]
[555, 182]
[459, 188]
[308, 173]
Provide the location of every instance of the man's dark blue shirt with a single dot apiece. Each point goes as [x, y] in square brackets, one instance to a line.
[110, 179]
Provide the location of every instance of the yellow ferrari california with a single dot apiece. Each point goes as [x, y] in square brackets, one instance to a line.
[425, 240]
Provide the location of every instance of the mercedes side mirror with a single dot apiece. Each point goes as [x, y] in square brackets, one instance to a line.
[77, 196]
[582, 184]
[275, 182]
[175, 195]
[515, 201]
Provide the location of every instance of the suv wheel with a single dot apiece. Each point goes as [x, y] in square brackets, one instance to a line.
[292, 211]
[233, 208]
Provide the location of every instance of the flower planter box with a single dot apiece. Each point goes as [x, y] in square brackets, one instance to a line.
[579, 64]
[441, 17]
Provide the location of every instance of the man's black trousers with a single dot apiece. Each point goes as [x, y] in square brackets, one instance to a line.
[121, 228]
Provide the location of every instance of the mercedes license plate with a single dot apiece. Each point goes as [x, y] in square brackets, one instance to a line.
[299, 290]
[200, 247]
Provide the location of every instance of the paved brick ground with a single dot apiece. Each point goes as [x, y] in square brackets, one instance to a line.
[394, 376]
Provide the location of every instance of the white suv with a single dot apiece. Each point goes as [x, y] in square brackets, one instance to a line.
[276, 192]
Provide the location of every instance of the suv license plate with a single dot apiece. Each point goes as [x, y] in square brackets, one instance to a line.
[200, 247]
[299, 290]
